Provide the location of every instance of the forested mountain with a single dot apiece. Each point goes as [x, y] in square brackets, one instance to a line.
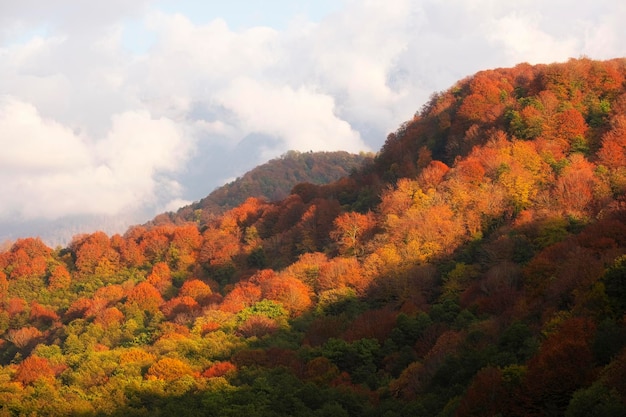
[475, 267]
[272, 181]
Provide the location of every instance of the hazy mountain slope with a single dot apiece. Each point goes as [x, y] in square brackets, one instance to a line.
[274, 180]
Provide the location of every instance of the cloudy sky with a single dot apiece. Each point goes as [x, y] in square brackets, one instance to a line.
[113, 111]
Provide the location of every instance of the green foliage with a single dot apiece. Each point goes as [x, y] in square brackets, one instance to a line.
[595, 401]
[615, 285]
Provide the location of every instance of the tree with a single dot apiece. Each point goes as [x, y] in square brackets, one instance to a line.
[94, 254]
[219, 369]
[243, 295]
[160, 277]
[168, 369]
[25, 337]
[563, 364]
[486, 395]
[351, 231]
[32, 369]
[197, 290]
[145, 296]
[59, 278]
[292, 293]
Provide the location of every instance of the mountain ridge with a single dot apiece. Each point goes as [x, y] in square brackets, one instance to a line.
[475, 266]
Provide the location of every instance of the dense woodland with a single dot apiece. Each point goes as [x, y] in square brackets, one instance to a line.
[475, 267]
[272, 181]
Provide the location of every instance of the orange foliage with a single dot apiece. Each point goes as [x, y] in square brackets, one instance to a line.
[168, 369]
[16, 306]
[340, 273]
[613, 151]
[79, 308]
[155, 242]
[94, 254]
[109, 317]
[4, 285]
[160, 277]
[243, 295]
[219, 246]
[32, 369]
[110, 293]
[574, 189]
[197, 290]
[131, 254]
[145, 296]
[352, 230]
[292, 293]
[136, 355]
[433, 174]
[59, 278]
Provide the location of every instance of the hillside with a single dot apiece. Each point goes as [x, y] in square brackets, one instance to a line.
[272, 181]
[477, 266]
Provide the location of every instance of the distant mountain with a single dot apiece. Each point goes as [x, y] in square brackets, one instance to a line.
[273, 181]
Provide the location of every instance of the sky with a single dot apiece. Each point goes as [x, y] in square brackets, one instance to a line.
[114, 111]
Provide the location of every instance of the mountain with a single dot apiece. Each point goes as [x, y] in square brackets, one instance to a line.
[272, 181]
[475, 266]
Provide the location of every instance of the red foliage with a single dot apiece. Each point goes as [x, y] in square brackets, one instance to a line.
[41, 314]
[563, 364]
[372, 324]
[78, 309]
[180, 305]
[258, 326]
[486, 396]
[220, 369]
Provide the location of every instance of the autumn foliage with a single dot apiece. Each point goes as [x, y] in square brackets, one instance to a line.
[474, 266]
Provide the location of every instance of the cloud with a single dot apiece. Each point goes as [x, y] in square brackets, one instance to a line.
[303, 119]
[47, 171]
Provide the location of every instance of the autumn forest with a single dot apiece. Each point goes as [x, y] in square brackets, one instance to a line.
[475, 266]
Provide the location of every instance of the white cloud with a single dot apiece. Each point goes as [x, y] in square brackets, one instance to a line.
[47, 171]
[302, 118]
